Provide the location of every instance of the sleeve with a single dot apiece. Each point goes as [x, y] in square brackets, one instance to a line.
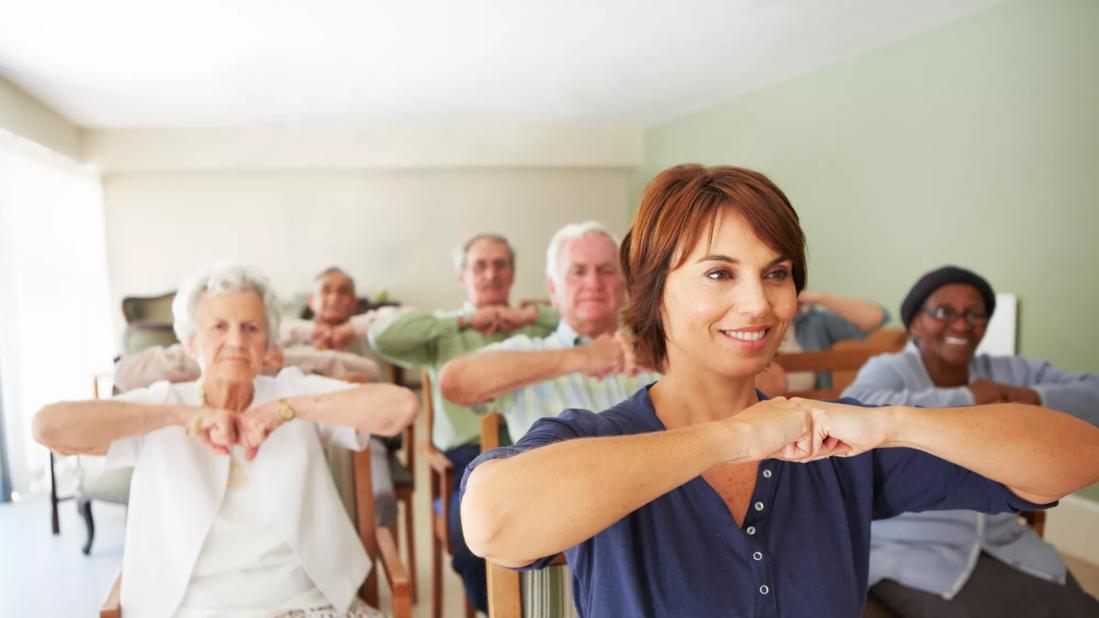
[516, 343]
[123, 452]
[153, 364]
[411, 339]
[294, 332]
[296, 384]
[839, 329]
[881, 382]
[1073, 393]
[568, 425]
[362, 323]
[547, 320]
[908, 481]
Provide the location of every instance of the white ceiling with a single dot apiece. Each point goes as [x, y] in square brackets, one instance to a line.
[222, 63]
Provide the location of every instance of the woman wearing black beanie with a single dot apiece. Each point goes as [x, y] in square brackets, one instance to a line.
[964, 563]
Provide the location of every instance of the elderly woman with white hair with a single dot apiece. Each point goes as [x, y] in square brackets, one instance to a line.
[232, 507]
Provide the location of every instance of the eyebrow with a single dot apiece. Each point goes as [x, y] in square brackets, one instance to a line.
[714, 257]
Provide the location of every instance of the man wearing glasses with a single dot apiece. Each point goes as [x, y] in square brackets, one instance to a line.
[964, 563]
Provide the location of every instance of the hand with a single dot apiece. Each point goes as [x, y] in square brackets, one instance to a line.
[1018, 394]
[273, 360]
[215, 428]
[845, 431]
[604, 356]
[776, 427]
[809, 297]
[511, 319]
[486, 320]
[255, 425]
[986, 391]
[342, 336]
[322, 336]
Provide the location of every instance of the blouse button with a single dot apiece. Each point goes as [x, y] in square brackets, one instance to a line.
[751, 530]
[766, 474]
[764, 589]
[757, 556]
[759, 506]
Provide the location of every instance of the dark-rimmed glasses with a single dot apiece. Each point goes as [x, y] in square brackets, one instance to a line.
[946, 315]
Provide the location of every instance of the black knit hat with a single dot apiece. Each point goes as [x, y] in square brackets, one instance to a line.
[937, 279]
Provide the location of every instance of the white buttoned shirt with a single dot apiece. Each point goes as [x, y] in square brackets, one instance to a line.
[179, 487]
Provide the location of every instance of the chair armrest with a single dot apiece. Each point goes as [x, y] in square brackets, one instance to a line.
[112, 605]
[441, 486]
[395, 574]
[438, 463]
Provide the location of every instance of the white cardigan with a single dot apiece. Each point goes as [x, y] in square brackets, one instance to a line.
[178, 486]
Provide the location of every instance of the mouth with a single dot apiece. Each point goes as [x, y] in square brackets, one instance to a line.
[752, 339]
[956, 341]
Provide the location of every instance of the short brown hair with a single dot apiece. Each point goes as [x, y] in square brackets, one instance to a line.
[676, 207]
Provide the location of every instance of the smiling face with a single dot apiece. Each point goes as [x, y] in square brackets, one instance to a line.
[726, 307]
[487, 273]
[955, 342]
[231, 339]
[589, 288]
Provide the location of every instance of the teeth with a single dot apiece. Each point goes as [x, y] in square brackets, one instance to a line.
[955, 341]
[747, 336]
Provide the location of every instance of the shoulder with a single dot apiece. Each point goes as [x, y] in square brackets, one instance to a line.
[631, 416]
[292, 381]
[159, 392]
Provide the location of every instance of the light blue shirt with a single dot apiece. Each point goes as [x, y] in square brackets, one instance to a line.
[937, 551]
[523, 407]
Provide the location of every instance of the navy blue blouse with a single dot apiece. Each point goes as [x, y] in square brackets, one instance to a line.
[803, 549]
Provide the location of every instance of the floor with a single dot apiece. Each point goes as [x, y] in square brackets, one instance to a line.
[45, 575]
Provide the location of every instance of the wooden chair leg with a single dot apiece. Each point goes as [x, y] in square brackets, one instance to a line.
[470, 612]
[436, 577]
[411, 538]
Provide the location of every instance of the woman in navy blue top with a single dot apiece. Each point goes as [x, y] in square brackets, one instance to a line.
[696, 498]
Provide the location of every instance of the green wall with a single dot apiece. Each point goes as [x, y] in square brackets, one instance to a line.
[976, 143]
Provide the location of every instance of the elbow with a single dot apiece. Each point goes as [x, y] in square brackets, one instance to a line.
[453, 386]
[403, 412]
[480, 521]
[46, 426]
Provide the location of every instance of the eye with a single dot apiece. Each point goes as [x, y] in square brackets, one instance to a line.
[719, 274]
[606, 271]
[219, 326]
[779, 274]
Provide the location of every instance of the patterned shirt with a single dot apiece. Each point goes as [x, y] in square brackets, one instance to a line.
[523, 407]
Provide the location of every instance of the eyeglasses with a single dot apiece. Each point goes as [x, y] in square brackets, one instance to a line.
[946, 315]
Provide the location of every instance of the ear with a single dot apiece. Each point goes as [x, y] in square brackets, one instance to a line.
[190, 348]
[552, 288]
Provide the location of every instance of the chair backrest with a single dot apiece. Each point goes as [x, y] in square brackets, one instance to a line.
[148, 308]
[843, 361]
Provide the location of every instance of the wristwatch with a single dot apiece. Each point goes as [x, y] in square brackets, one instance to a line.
[286, 413]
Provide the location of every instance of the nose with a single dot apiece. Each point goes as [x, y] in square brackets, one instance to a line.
[236, 336]
[960, 325]
[751, 300]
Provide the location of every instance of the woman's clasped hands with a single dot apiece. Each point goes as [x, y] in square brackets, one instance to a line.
[803, 430]
[219, 430]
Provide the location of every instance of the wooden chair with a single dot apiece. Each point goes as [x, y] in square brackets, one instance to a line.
[377, 541]
[506, 587]
[442, 484]
[404, 487]
[843, 360]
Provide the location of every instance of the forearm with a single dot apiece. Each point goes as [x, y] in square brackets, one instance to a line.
[409, 338]
[89, 427]
[382, 409]
[512, 508]
[1040, 454]
[482, 376]
[866, 316]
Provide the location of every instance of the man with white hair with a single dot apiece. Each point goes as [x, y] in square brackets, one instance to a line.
[485, 265]
[585, 363]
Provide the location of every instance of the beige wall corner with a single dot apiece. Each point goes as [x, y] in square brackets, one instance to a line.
[27, 117]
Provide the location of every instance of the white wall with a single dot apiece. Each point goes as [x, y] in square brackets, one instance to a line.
[23, 115]
[390, 229]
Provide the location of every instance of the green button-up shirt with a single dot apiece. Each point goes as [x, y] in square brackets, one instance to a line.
[427, 340]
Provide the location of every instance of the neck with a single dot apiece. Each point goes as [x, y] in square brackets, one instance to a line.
[495, 303]
[331, 322]
[594, 329]
[235, 396]
[691, 396]
[942, 374]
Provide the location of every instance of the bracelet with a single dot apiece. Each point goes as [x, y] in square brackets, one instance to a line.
[195, 426]
[286, 413]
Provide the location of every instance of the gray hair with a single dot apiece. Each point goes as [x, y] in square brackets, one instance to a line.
[219, 278]
[571, 231]
[462, 248]
[335, 269]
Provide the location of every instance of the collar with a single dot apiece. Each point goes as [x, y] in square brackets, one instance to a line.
[568, 336]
